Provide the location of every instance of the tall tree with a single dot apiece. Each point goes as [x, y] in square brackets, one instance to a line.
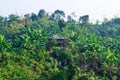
[1, 20]
[61, 24]
[83, 20]
[70, 19]
[13, 17]
[34, 17]
[41, 13]
[27, 19]
[57, 15]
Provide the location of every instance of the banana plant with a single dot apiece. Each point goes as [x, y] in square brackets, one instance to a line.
[4, 44]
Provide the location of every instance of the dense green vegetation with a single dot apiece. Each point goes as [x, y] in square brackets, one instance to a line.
[92, 51]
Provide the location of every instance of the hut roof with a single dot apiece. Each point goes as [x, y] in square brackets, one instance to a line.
[55, 36]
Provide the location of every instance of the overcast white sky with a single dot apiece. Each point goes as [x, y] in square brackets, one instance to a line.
[97, 9]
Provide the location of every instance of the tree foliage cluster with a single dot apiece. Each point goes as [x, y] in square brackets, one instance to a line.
[92, 51]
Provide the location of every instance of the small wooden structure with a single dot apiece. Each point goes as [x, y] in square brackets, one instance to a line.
[56, 41]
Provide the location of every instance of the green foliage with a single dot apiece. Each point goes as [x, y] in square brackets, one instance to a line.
[91, 51]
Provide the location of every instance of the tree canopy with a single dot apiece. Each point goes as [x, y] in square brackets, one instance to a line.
[91, 51]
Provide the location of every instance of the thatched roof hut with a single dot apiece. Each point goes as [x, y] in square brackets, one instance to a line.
[60, 41]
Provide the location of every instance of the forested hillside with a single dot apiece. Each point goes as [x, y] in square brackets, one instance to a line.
[92, 50]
